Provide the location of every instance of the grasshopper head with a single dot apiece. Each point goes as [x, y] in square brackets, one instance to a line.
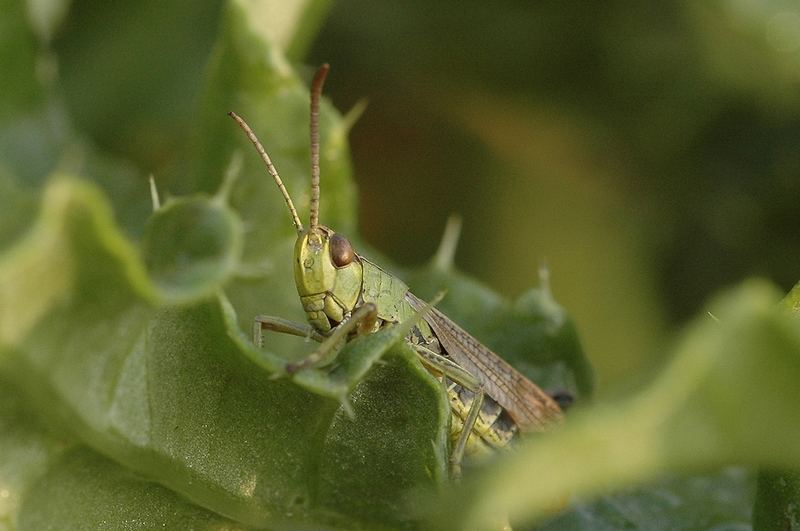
[328, 274]
[327, 270]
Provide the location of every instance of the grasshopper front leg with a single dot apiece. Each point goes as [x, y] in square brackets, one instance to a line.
[283, 326]
[464, 378]
[362, 320]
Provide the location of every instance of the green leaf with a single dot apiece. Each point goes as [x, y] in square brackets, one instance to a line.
[192, 246]
[726, 398]
[778, 497]
[777, 500]
[56, 260]
[17, 208]
[27, 450]
[21, 90]
[290, 25]
[83, 490]
[131, 73]
[32, 127]
[703, 501]
[47, 481]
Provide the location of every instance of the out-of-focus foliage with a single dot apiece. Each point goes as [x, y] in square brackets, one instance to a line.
[130, 396]
[645, 151]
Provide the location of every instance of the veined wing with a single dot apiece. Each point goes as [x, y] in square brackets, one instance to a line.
[530, 407]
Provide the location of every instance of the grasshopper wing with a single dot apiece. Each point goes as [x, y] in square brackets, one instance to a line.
[530, 407]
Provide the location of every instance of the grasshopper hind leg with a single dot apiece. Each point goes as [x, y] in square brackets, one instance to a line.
[454, 372]
[457, 454]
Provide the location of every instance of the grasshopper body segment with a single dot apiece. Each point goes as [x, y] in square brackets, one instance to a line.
[530, 408]
[386, 292]
[343, 294]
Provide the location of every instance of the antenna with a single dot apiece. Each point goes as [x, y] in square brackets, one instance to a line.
[271, 169]
[316, 92]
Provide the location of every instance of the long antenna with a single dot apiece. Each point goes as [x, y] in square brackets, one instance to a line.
[316, 92]
[270, 168]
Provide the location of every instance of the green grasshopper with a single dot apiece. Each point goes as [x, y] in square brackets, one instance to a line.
[344, 294]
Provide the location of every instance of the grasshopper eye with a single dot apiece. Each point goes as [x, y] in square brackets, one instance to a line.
[341, 251]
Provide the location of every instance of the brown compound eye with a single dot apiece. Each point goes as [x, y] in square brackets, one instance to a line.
[342, 252]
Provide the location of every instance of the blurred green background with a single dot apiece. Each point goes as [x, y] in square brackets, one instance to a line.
[647, 152]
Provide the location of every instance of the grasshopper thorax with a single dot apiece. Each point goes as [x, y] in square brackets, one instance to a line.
[328, 275]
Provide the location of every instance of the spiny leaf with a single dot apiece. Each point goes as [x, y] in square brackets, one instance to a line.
[192, 246]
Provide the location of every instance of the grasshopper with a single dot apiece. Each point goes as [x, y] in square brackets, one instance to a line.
[344, 294]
